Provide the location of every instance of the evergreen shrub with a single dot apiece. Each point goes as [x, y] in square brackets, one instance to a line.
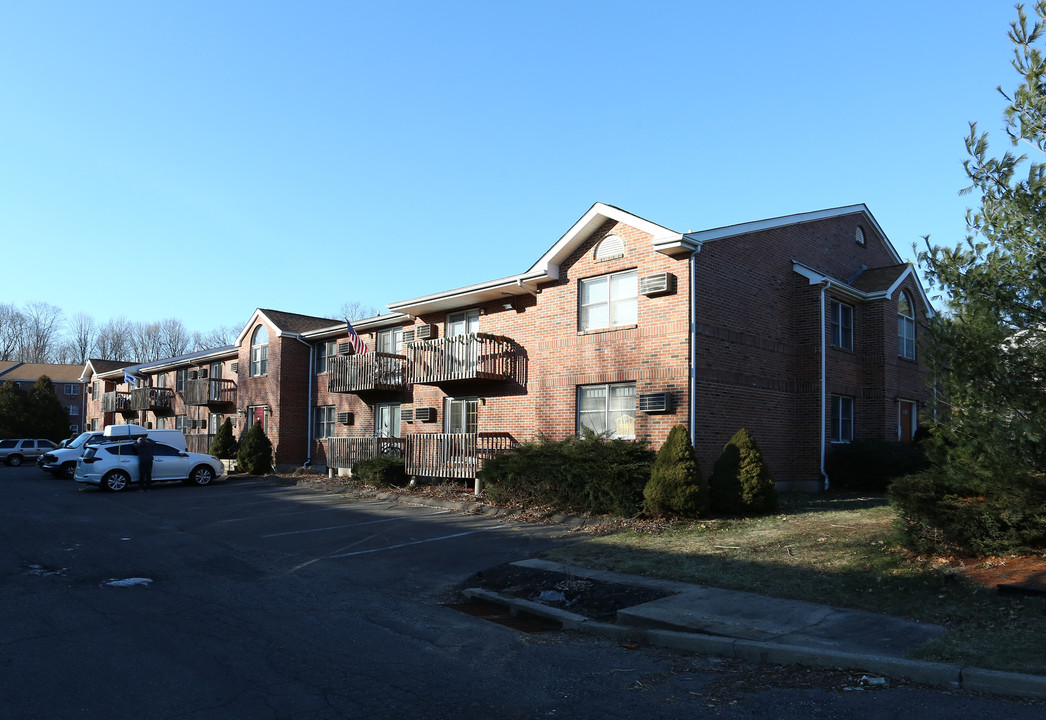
[381, 471]
[255, 453]
[224, 444]
[741, 483]
[676, 487]
[872, 464]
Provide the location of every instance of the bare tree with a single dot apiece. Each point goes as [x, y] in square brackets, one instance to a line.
[173, 339]
[67, 353]
[40, 334]
[112, 341]
[11, 323]
[355, 310]
[145, 342]
[83, 329]
[219, 337]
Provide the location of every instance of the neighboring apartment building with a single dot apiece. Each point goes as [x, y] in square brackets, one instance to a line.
[67, 385]
[804, 329]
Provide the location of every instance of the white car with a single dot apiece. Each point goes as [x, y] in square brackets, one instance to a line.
[114, 466]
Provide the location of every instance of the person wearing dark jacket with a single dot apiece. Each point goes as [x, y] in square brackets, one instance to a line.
[144, 446]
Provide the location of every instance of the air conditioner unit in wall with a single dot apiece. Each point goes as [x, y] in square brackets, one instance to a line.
[657, 284]
[408, 336]
[345, 418]
[654, 402]
[203, 374]
[424, 414]
[425, 332]
[343, 348]
[407, 414]
[193, 374]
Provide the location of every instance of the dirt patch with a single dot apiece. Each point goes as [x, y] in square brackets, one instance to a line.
[595, 599]
[1014, 574]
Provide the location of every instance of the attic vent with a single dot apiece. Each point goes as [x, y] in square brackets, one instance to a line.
[657, 284]
[424, 414]
[408, 336]
[611, 246]
[235, 367]
[407, 414]
[193, 374]
[653, 402]
[345, 418]
[424, 332]
[343, 348]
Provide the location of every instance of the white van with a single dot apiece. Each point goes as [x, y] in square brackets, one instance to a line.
[61, 462]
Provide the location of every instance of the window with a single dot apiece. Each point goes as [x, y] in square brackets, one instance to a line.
[842, 418]
[325, 418]
[463, 323]
[181, 423]
[74, 411]
[842, 326]
[607, 409]
[94, 390]
[387, 420]
[460, 415]
[609, 247]
[260, 351]
[74, 428]
[214, 420]
[71, 389]
[391, 340]
[179, 380]
[216, 371]
[609, 301]
[161, 380]
[324, 350]
[905, 327]
[161, 422]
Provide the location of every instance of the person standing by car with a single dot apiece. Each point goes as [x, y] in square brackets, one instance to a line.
[144, 446]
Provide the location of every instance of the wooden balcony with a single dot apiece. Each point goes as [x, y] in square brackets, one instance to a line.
[344, 452]
[210, 392]
[199, 443]
[477, 356]
[155, 399]
[453, 455]
[117, 402]
[364, 373]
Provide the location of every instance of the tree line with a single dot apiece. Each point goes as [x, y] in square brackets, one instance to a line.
[39, 332]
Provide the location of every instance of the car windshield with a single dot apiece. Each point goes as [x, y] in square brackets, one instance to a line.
[80, 440]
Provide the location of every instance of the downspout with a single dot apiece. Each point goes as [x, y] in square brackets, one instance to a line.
[825, 284]
[692, 339]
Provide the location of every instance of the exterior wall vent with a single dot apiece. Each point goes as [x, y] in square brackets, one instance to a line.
[425, 332]
[407, 414]
[235, 366]
[653, 402]
[657, 284]
[343, 348]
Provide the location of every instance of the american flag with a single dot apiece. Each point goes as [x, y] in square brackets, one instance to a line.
[357, 344]
[130, 379]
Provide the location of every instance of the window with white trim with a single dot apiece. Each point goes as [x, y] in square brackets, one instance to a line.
[390, 341]
[71, 389]
[842, 326]
[73, 411]
[608, 410]
[326, 418]
[181, 422]
[842, 428]
[179, 379]
[325, 350]
[905, 327]
[260, 351]
[608, 301]
[460, 415]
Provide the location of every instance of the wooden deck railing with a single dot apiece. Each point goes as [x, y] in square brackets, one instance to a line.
[478, 356]
[210, 392]
[199, 443]
[344, 452]
[155, 399]
[116, 401]
[453, 455]
[373, 371]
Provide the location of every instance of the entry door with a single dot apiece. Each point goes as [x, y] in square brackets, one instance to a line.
[387, 420]
[463, 356]
[459, 415]
[906, 421]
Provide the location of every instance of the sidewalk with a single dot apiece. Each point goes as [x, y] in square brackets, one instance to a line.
[752, 627]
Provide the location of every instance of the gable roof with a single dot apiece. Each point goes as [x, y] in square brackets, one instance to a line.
[872, 284]
[33, 371]
[96, 366]
[286, 323]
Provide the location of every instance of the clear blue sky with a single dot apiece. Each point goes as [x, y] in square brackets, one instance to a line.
[201, 159]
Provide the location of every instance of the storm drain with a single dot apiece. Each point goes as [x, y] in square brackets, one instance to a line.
[502, 616]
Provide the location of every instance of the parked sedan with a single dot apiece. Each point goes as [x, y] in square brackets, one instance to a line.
[14, 452]
[114, 466]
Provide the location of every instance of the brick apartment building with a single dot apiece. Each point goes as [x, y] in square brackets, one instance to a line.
[67, 385]
[804, 329]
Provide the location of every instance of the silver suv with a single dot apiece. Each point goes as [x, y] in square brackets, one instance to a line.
[13, 452]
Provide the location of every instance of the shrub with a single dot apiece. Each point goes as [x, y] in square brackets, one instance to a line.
[381, 471]
[741, 483]
[224, 445]
[946, 515]
[587, 474]
[872, 464]
[255, 453]
[676, 487]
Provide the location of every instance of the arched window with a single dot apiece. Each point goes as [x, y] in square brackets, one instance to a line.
[259, 351]
[610, 246]
[905, 327]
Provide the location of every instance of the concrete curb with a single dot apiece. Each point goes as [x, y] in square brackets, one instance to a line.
[929, 673]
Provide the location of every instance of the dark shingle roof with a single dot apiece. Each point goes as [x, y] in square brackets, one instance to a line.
[292, 322]
[879, 279]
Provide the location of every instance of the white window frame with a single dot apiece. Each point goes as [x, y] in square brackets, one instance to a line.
[325, 420]
[611, 415]
[259, 352]
[389, 340]
[616, 304]
[461, 414]
[393, 410]
[464, 322]
[842, 419]
[180, 376]
[72, 389]
[74, 411]
[324, 351]
[905, 327]
[842, 325]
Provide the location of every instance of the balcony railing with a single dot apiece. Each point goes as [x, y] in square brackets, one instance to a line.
[453, 455]
[116, 401]
[210, 392]
[360, 373]
[344, 452]
[200, 443]
[477, 356]
[155, 399]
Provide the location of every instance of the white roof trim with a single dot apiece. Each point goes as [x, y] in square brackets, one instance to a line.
[818, 278]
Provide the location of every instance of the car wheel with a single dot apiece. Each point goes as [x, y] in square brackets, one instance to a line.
[116, 481]
[67, 471]
[202, 475]
[14, 460]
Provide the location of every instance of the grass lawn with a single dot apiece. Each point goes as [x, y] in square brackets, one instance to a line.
[838, 550]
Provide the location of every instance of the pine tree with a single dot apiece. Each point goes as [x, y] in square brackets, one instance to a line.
[14, 410]
[741, 483]
[47, 417]
[255, 453]
[676, 487]
[223, 445]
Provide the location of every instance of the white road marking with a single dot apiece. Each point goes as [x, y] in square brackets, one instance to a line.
[341, 527]
[415, 542]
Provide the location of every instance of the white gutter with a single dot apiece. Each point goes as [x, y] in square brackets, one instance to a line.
[824, 380]
[692, 375]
